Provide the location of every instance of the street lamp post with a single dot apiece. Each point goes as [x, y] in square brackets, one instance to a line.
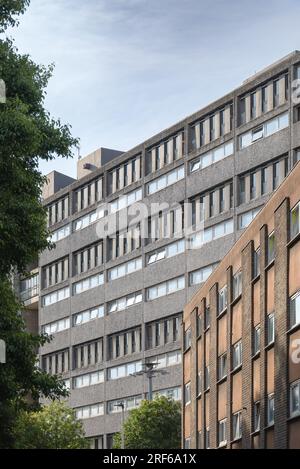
[149, 370]
[121, 404]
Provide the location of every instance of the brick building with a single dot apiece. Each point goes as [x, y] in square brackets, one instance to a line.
[241, 362]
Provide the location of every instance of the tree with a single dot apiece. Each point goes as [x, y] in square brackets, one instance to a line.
[154, 424]
[27, 133]
[53, 427]
[8, 10]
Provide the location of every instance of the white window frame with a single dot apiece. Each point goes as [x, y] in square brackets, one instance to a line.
[222, 432]
[270, 399]
[294, 385]
[237, 426]
[237, 353]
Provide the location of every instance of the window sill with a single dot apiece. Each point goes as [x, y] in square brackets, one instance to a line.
[236, 369]
[294, 328]
[270, 345]
[256, 355]
[270, 264]
[293, 240]
[219, 315]
[293, 417]
[221, 380]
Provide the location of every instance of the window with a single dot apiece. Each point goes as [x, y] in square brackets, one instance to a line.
[256, 339]
[124, 302]
[270, 328]
[87, 220]
[269, 128]
[246, 218]
[165, 288]
[256, 263]
[276, 93]
[62, 233]
[187, 443]
[187, 393]
[207, 439]
[88, 283]
[237, 355]
[237, 426]
[242, 111]
[211, 157]
[89, 411]
[29, 287]
[124, 370]
[166, 180]
[271, 248]
[242, 190]
[56, 296]
[166, 360]
[295, 399]
[207, 235]
[295, 310]
[295, 221]
[222, 366]
[222, 432]
[187, 338]
[199, 383]
[206, 378]
[270, 409]
[126, 200]
[237, 285]
[296, 156]
[201, 275]
[256, 416]
[171, 393]
[222, 300]
[125, 269]
[56, 326]
[114, 407]
[207, 317]
[166, 252]
[88, 315]
[89, 379]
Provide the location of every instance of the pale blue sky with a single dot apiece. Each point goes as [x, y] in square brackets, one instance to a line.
[126, 69]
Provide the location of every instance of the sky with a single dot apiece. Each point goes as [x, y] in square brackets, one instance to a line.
[127, 69]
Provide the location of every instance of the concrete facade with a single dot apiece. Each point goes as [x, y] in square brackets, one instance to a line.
[217, 186]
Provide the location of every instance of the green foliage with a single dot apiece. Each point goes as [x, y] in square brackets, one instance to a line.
[20, 375]
[27, 133]
[153, 425]
[9, 9]
[53, 427]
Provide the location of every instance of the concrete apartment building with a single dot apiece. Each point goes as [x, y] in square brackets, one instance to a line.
[113, 302]
[241, 361]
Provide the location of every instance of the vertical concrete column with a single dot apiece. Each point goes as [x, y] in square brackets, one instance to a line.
[78, 194]
[93, 256]
[282, 91]
[114, 181]
[85, 356]
[138, 168]
[121, 244]
[59, 204]
[85, 197]
[216, 199]
[153, 159]
[270, 100]
[85, 260]
[66, 207]
[137, 340]
[206, 207]
[227, 198]
[53, 271]
[197, 135]
[53, 214]
[170, 148]
[227, 120]
[281, 325]
[47, 277]
[114, 347]
[206, 131]
[258, 183]
[161, 153]
[53, 364]
[100, 189]
[179, 145]
[59, 272]
[258, 102]
[248, 108]
[121, 177]
[121, 344]
[93, 346]
[217, 124]
[247, 344]
[129, 172]
[213, 424]
[93, 192]
[129, 342]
